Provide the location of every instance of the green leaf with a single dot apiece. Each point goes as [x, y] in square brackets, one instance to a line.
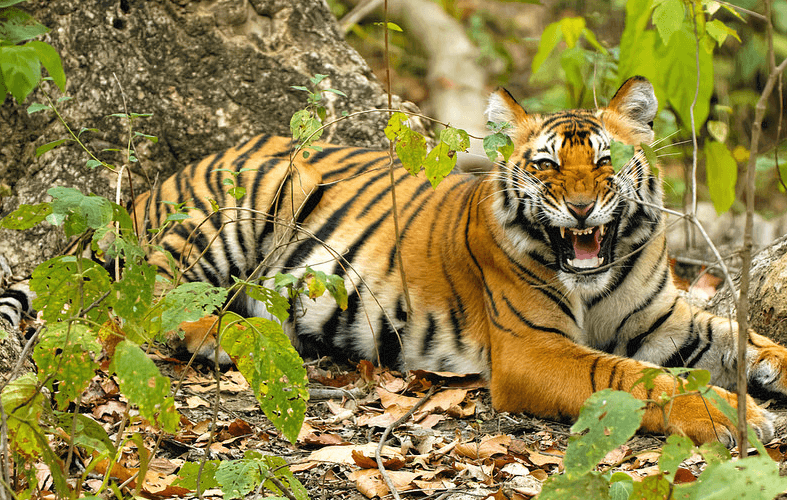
[550, 37]
[24, 405]
[583, 487]
[411, 150]
[8, 3]
[637, 46]
[621, 154]
[572, 28]
[651, 158]
[16, 26]
[394, 127]
[722, 174]
[276, 305]
[142, 383]
[21, 70]
[65, 356]
[754, 477]
[654, 487]
[36, 107]
[318, 282]
[50, 59]
[26, 216]
[303, 126]
[237, 192]
[266, 358]
[498, 143]
[49, 146]
[278, 467]
[439, 163]
[621, 485]
[718, 130]
[65, 283]
[677, 449]
[93, 163]
[190, 302]
[151, 138]
[87, 433]
[668, 17]
[680, 82]
[190, 470]
[456, 138]
[719, 31]
[78, 212]
[238, 478]
[610, 418]
[135, 290]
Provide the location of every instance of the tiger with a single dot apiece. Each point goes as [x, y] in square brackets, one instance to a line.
[548, 274]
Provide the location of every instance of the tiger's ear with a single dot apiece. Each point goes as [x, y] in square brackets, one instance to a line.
[636, 100]
[503, 107]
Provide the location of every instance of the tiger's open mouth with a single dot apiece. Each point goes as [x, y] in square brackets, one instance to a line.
[582, 250]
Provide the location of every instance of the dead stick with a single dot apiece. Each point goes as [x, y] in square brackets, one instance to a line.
[388, 430]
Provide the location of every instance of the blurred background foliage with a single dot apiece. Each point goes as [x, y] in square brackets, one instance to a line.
[569, 53]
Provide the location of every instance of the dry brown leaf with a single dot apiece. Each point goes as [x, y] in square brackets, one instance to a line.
[616, 456]
[196, 402]
[370, 482]
[388, 399]
[366, 462]
[540, 459]
[342, 454]
[683, 475]
[539, 474]
[239, 428]
[489, 446]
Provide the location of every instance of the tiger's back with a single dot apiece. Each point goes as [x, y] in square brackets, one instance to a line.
[547, 274]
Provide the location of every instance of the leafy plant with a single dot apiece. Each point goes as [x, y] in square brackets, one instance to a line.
[609, 418]
[20, 63]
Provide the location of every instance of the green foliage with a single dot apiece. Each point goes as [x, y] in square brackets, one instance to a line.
[722, 171]
[306, 125]
[238, 478]
[266, 358]
[609, 418]
[20, 65]
[143, 384]
[65, 355]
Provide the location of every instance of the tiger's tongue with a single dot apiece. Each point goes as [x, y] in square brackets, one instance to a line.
[586, 246]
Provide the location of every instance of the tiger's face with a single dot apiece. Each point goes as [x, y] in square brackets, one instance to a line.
[560, 198]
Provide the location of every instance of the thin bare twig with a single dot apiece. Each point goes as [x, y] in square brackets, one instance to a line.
[384, 438]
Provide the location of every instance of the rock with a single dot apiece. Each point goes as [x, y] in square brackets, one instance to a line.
[212, 74]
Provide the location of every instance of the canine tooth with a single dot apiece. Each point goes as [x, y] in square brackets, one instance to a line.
[562, 232]
[602, 229]
[600, 260]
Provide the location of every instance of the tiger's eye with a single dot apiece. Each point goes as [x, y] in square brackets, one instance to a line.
[604, 162]
[545, 164]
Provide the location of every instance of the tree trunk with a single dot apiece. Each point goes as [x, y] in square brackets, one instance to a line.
[767, 293]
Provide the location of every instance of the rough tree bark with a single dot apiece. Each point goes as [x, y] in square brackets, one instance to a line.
[211, 73]
[767, 293]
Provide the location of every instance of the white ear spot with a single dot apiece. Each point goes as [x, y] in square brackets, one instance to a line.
[503, 108]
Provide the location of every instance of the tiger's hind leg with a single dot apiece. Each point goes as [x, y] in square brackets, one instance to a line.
[767, 362]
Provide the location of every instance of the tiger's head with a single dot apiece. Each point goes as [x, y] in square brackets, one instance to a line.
[558, 197]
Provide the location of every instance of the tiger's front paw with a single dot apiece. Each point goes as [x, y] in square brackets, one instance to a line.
[699, 419]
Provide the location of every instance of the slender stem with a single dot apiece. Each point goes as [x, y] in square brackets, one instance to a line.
[695, 147]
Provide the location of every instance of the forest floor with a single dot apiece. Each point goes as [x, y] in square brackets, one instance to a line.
[454, 446]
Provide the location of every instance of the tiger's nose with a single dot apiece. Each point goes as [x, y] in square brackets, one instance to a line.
[580, 210]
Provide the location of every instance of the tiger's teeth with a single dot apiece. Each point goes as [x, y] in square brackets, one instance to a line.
[602, 229]
[585, 263]
[562, 232]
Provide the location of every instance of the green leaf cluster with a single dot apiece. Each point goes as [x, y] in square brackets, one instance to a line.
[609, 418]
[20, 63]
[238, 478]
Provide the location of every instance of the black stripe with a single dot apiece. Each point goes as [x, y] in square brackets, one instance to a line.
[634, 344]
[593, 373]
[303, 250]
[429, 335]
[531, 325]
[659, 288]
[681, 357]
[392, 255]
[708, 344]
